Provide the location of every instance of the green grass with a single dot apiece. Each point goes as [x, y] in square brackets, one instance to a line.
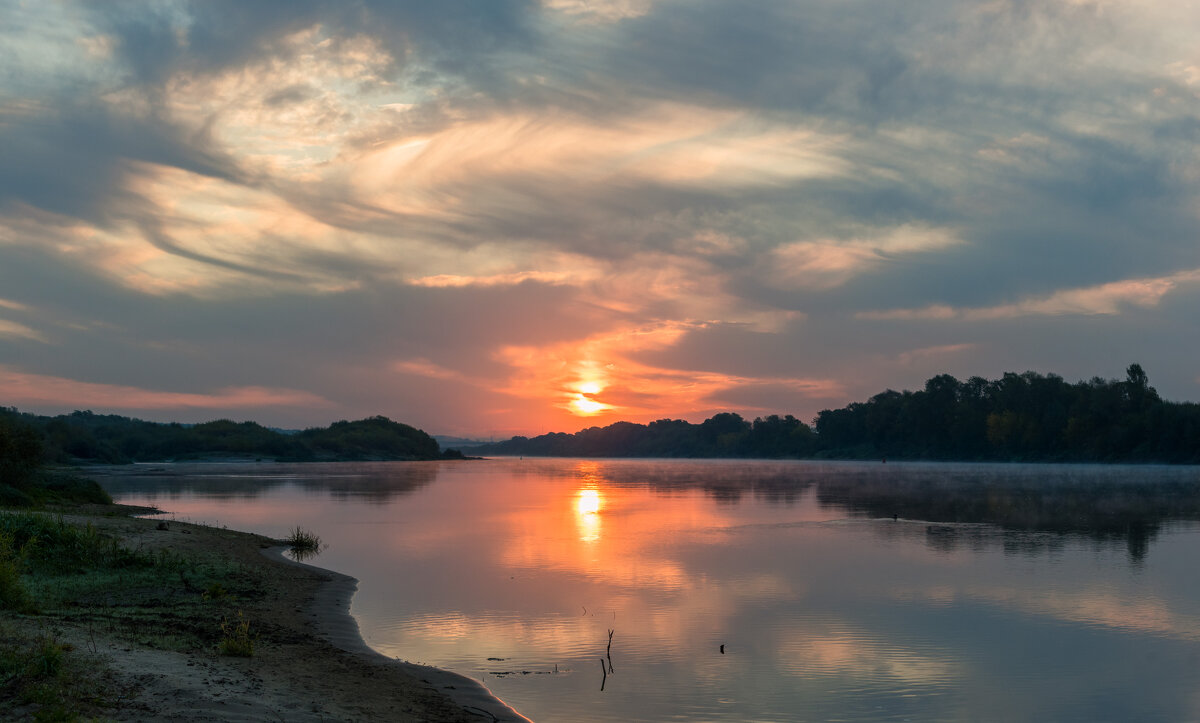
[46, 679]
[236, 639]
[14, 595]
[51, 544]
[57, 573]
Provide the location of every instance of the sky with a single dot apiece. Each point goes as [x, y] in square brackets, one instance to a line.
[498, 217]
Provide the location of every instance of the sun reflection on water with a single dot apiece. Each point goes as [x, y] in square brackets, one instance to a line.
[588, 503]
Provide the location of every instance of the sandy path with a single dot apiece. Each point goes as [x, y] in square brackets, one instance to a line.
[309, 663]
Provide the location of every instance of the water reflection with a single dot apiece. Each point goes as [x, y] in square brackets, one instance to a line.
[1123, 505]
[964, 605]
[587, 514]
[374, 482]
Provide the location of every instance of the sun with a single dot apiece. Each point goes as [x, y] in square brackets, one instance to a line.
[583, 406]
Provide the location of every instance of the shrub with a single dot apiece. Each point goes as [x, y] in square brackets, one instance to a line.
[235, 638]
[303, 542]
[12, 497]
[13, 593]
[70, 488]
[215, 591]
[56, 544]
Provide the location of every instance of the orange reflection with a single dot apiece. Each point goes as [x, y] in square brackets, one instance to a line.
[587, 514]
[602, 530]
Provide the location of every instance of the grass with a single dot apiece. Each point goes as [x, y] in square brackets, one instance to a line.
[51, 544]
[57, 573]
[303, 543]
[44, 487]
[235, 638]
[45, 679]
[13, 593]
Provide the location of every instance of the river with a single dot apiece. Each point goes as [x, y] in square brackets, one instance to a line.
[658, 590]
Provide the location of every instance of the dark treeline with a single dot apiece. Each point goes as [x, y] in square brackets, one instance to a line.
[1019, 417]
[89, 437]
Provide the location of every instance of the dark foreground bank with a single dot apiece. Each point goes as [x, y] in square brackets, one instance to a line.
[194, 623]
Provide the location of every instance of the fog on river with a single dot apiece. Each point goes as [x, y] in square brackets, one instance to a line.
[752, 590]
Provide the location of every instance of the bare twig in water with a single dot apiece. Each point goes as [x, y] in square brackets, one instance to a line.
[608, 652]
[603, 670]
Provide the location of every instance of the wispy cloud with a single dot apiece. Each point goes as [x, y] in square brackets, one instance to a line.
[722, 201]
[38, 389]
[14, 329]
[1106, 299]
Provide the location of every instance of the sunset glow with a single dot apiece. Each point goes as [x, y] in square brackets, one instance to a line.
[559, 214]
[585, 406]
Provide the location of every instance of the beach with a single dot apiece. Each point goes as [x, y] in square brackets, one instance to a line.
[309, 662]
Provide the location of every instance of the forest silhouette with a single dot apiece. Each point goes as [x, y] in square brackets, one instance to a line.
[1026, 417]
[27, 439]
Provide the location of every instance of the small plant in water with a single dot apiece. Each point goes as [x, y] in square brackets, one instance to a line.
[303, 543]
[235, 638]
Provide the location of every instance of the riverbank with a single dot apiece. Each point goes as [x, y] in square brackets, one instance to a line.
[150, 649]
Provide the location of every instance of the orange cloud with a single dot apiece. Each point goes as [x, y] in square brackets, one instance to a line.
[600, 370]
[458, 281]
[830, 263]
[1102, 300]
[21, 388]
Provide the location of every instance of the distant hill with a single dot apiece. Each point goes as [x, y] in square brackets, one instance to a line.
[84, 436]
[1019, 417]
[448, 442]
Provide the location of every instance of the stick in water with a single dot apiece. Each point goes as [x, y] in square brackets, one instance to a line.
[605, 671]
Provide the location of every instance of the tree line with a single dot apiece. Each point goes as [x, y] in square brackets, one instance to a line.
[1018, 417]
[27, 440]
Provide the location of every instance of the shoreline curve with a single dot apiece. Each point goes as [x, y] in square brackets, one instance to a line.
[332, 620]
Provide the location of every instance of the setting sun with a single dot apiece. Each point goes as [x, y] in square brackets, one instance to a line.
[582, 405]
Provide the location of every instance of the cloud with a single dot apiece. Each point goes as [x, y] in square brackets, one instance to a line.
[601, 10]
[428, 206]
[20, 388]
[1106, 299]
[14, 329]
[828, 263]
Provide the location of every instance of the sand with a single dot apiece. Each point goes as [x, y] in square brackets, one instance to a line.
[309, 662]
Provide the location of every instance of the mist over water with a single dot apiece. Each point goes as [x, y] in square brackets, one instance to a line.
[839, 591]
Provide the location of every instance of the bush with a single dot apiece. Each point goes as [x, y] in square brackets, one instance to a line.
[12, 497]
[303, 542]
[55, 544]
[235, 638]
[20, 450]
[69, 488]
[13, 593]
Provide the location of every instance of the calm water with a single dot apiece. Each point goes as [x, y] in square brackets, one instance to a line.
[997, 592]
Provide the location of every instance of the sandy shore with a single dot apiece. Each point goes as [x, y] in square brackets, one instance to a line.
[309, 662]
